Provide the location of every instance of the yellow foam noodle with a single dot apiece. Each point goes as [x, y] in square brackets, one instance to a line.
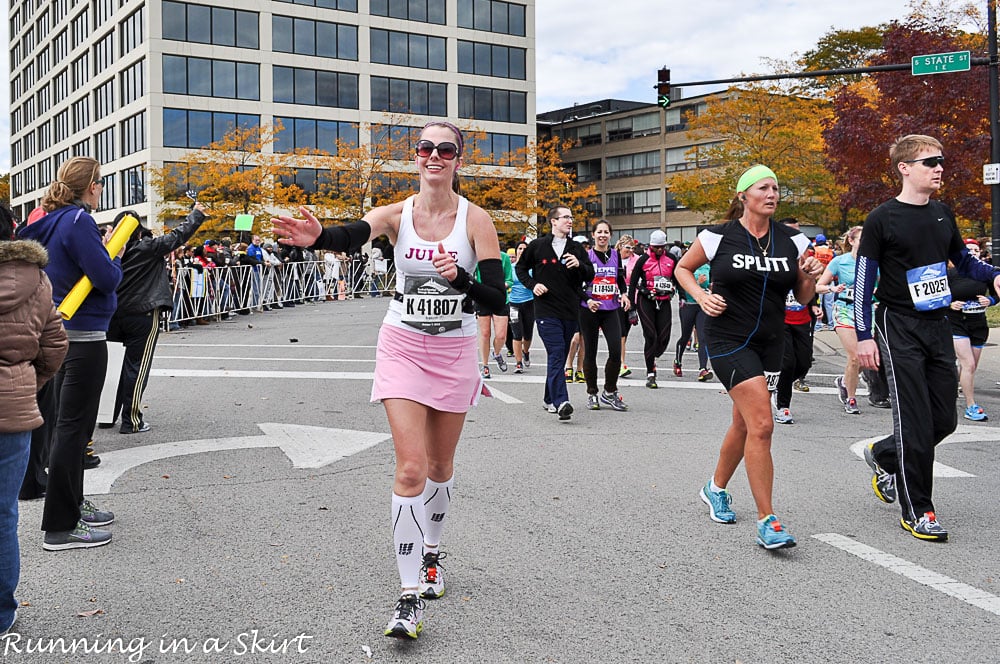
[75, 297]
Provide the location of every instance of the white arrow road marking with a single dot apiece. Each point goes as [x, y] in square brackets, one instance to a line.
[963, 434]
[305, 446]
[922, 575]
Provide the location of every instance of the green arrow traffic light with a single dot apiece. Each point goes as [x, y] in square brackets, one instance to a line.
[663, 100]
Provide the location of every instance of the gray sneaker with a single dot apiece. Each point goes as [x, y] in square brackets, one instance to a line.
[93, 516]
[501, 363]
[592, 402]
[614, 400]
[784, 416]
[81, 537]
[883, 484]
[838, 382]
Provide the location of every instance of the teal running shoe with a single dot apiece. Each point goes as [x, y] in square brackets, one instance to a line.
[718, 504]
[772, 535]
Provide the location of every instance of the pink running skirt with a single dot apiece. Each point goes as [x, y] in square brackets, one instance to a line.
[439, 372]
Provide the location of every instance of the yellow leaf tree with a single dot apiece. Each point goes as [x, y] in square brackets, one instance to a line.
[238, 174]
[761, 124]
[519, 200]
[5, 189]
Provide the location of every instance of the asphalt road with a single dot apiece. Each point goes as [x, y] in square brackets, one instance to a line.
[582, 541]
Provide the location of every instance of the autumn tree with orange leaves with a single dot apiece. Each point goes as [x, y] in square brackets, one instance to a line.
[238, 174]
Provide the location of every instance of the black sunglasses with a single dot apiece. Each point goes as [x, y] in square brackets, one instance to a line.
[446, 151]
[929, 162]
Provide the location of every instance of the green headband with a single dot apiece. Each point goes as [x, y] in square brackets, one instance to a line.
[753, 175]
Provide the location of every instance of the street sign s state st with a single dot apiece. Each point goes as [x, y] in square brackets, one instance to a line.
[940, 63]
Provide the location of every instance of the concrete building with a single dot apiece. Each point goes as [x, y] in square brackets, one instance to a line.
[135, 83]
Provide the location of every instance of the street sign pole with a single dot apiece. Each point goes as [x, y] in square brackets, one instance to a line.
[991, 18]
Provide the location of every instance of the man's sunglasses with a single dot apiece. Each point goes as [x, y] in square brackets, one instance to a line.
[929, 162]
[446, 151]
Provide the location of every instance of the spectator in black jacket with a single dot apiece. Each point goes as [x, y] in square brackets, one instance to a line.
[143, 293]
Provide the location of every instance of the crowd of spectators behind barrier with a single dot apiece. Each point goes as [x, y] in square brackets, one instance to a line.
[220, 279]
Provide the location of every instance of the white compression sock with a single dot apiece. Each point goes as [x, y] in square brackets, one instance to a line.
[408, 536]
[437, 497]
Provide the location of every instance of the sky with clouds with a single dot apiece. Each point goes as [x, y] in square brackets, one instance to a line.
[612, 49]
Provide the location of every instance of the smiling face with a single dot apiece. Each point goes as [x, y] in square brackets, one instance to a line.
[602, 236]
[433, 169]
[761, 198]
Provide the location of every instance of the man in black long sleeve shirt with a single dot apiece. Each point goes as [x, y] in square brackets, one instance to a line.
[556, 269]
[144, 291]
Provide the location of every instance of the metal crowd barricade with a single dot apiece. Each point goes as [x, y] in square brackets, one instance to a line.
[218, 292]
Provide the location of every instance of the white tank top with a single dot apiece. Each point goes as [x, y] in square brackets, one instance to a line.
[413, 255]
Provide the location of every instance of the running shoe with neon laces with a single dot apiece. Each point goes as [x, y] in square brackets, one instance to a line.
[704, 376]
[651, 381]
[838, 382]
[975, 413]
[431, 578]
[800, 385]
[625, 372]
[851, 407]
[564, 410]
[614, 400]
[81, 537]
[527, 359]
[925, 528]
[883, 483]
[501, 363]
[93, 516]
[592, 402]
[580, 378]
[772, 535]
[569, 375]
[519, 367]
[719, 504]
[677, 370]
[784, 416]
[407, 619]
[486, 371]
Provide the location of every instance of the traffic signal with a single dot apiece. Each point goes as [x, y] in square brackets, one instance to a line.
[663, 87]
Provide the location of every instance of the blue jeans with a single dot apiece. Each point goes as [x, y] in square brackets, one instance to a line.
[827, 300]
[556, 334]
[13, 462]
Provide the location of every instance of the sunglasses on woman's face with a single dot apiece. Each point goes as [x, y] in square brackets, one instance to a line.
[446, 151]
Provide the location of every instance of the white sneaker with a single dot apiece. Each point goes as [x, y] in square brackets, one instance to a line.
[784, 416]
[431, 576]
[407, 619]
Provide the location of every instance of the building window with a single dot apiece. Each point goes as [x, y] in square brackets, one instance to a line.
[133, 186]
[309, 180]
[408, 50]
[634, 202]
[44, 134]
[134, 134]
[500, 149]
[491, 60]
[60, 86]
[492, 15]
[130, 32]
[491, 104]
[400, 95]
[588, 171]
[81, 115]
[43, 99]
[306, 133]
[61, 124]
[676, 120]
[426, 11]
[104, 146]
[103, 10]
[647, 124]
[305, 37]
[81, 71]
[104, 99]
[104, 52]
[60, 46]
[80, 27]
[198, 129]
[81, 149]
[678, 159]
[293, 85]
[202, 77]
[109, 199]
[132, 82]
[210, 25]
[643, 163]
[342, 5]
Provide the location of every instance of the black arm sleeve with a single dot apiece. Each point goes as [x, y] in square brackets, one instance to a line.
[492, 292]
[347, 238]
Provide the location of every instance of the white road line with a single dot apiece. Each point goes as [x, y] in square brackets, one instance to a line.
[940, 470]
[502, 396]
[233, 358]
[948, 586]
[288, 345]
